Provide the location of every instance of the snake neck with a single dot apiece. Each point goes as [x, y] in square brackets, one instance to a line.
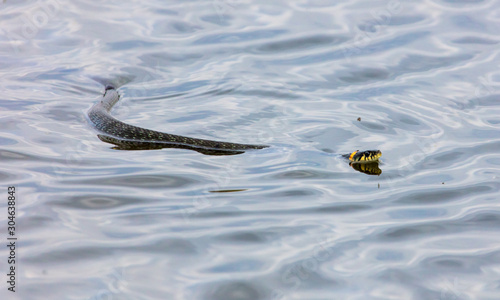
[109, 99]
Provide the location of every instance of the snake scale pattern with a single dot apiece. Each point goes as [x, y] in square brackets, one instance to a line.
[129, 137]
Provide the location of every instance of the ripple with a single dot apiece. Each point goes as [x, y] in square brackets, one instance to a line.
[238, 37]
[475, 40]
[453, 194]
[234, 290]
[295, 44]
[139, 181]
[97, 202]
[246, 237]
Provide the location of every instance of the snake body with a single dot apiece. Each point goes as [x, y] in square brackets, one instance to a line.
[130, 137]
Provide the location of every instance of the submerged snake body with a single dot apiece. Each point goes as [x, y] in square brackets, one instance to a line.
[131, 137]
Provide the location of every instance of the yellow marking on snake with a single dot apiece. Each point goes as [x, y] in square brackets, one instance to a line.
[352, 155]
[365, 156]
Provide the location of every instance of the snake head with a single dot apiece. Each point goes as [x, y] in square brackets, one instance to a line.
[365, 156]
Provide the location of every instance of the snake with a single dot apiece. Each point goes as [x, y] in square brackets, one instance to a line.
[129, 137]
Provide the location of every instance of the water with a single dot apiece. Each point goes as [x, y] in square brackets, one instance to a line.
[293, 221]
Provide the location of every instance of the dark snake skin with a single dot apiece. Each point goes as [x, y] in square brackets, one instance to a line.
[129, 137]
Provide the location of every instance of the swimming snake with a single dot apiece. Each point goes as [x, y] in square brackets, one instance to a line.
[129, 137]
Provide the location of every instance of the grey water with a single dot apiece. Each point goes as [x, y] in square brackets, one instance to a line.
[419, 80]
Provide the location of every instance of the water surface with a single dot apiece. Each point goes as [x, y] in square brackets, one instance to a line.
[293, 221]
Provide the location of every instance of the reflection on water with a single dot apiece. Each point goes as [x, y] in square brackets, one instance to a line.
[229, 191]
[367, 168]
[312, 79]
[127, 145]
